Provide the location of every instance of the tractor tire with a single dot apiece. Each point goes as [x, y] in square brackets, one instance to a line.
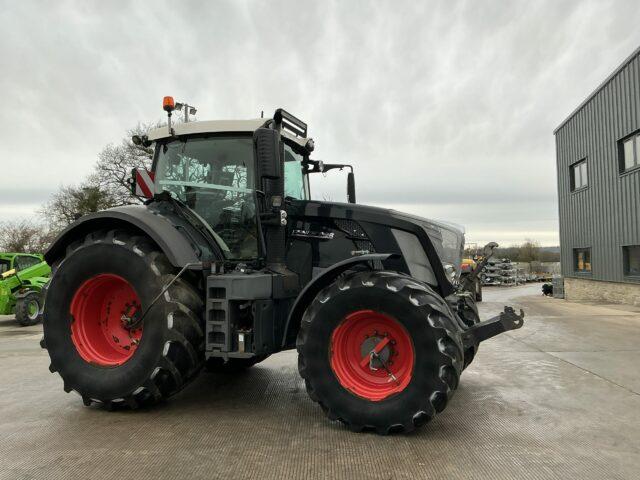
[232, 365]
[352, 318]
[475, 289]
[102, 280]
[28, 309]
[468, 311]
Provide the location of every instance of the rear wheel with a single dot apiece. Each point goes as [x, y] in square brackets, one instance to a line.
[96, 294]
[28, 309]
[378, 351]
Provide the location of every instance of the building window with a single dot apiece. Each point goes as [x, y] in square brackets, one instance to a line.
[631, 258]
[582, 260]
[579, 177]
[629, 152]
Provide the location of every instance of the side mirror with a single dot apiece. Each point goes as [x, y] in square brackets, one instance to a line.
[142, 182]
[351, 187]
[269, 159]
[488, 249]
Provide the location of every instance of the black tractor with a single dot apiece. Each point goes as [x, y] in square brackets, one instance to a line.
[229, 260]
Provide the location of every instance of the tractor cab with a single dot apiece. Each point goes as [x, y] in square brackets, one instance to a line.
[211, 168]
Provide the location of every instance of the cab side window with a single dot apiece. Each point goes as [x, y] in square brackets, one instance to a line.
[20, 263]
[294, 183]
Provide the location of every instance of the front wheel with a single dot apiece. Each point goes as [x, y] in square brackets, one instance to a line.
[378, 352]
[28, 309]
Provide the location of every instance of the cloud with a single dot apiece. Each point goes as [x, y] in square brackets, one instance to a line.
[22, 194]
[445, 108]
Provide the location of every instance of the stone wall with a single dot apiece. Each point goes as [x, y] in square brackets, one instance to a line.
[609, 292]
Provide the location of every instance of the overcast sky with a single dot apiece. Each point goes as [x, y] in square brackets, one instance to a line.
[446, 109]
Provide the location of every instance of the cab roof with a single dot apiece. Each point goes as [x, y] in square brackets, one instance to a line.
[10, 255]
[218, 126]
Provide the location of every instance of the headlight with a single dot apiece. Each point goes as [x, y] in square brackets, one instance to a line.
[450, 271]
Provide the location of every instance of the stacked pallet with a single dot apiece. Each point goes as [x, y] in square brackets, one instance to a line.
[501, 271]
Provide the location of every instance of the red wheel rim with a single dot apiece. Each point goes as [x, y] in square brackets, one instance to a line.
[100, 309]
[372, 377]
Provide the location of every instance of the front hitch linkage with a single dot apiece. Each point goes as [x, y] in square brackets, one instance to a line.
[507, 320]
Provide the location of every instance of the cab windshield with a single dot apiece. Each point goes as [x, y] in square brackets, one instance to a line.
[215, 177]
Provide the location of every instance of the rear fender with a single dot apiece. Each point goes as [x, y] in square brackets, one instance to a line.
[178, 249]
[310, 291]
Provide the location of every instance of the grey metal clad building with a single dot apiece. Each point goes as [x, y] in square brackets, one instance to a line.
[598, 162]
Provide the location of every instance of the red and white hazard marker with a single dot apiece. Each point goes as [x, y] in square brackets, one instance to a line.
[144, 183]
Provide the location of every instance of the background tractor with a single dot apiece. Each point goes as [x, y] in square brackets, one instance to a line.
[467, 266]
[22, 276]
[230, 260]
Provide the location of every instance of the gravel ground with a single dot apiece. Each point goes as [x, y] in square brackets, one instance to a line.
[559, 398]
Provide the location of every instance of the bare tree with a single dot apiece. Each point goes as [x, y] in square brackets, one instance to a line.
[529, 251]
[70, 203]
[113, 169]
[24, 236]
[106, 187]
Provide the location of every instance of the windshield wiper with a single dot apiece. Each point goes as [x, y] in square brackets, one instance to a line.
[190, 216]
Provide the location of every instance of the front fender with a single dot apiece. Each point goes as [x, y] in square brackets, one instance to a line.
[35, 284]
[178, 249]
[310, 291]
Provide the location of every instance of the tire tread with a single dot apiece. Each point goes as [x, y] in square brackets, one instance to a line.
[184, 356]
[439, 317]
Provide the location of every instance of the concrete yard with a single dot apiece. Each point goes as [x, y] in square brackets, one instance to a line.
[559, 398]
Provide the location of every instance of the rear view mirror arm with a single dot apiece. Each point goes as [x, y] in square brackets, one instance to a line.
[318, 166]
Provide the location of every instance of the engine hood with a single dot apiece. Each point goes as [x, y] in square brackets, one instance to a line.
[447, 238]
